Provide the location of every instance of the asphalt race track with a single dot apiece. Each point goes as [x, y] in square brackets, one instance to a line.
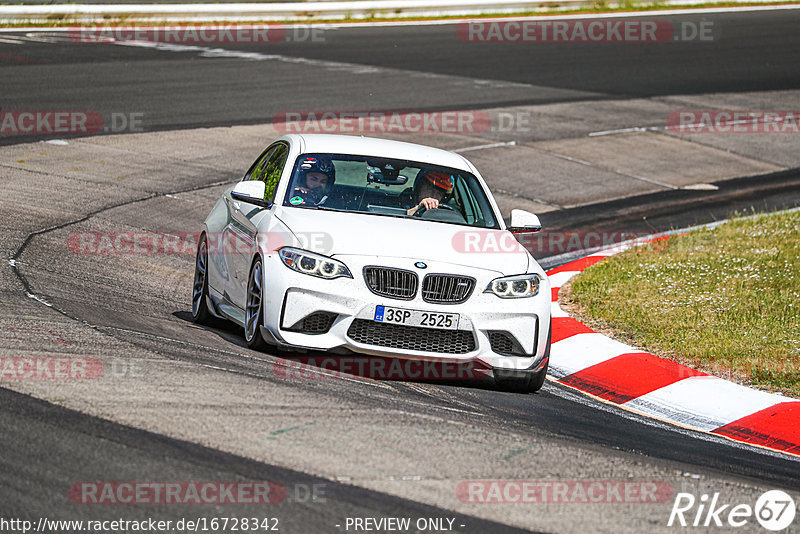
[182, 403]
[755, 52]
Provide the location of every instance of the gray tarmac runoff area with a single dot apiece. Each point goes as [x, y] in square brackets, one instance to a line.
[180, 402]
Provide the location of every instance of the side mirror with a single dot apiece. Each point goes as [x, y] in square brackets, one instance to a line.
[524, 221]
[251, 191]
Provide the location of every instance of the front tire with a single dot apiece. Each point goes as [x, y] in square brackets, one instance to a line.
[200, 312]
[254, 312]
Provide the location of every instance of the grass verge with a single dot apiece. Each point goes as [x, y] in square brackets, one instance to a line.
[594, 7]
[726, 300]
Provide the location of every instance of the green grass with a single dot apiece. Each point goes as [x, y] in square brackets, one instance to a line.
[592, 6]
[726, 300]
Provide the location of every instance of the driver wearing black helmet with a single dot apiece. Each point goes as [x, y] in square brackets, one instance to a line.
[314, 180]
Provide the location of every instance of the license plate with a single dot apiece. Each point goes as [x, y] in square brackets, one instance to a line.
[445, 321]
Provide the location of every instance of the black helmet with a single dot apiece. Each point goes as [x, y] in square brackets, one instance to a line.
[320, 164]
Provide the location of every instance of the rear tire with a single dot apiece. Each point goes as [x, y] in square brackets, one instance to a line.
[200, 312]
[254, 311]
[525, 381]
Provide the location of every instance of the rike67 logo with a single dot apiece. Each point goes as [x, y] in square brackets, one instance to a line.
[774, 510]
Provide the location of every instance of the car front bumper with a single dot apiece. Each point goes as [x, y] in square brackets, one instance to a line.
[521, 323]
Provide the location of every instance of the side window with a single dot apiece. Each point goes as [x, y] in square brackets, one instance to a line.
[255, 168]
[270, 168]
[465, 198]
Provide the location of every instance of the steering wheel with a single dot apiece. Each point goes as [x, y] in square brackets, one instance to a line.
[422, 209]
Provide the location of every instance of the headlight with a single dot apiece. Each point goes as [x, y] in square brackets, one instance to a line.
[515, 287]
[318, 265]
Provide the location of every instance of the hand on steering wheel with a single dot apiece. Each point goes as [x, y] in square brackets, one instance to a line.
[430, 203]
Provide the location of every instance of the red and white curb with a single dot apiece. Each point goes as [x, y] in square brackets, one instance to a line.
[641, 382]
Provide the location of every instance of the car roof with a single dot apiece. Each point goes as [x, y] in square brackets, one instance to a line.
[371, 146]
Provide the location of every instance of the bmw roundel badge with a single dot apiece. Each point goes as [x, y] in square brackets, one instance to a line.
[420, 265]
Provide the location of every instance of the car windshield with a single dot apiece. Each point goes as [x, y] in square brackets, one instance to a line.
[388, 187]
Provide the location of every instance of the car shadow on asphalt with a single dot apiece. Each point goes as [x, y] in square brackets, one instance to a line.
[350, 365]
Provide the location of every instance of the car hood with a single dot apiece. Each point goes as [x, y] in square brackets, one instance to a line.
[338, 234]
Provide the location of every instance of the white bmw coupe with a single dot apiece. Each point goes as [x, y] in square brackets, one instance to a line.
[352, 245]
